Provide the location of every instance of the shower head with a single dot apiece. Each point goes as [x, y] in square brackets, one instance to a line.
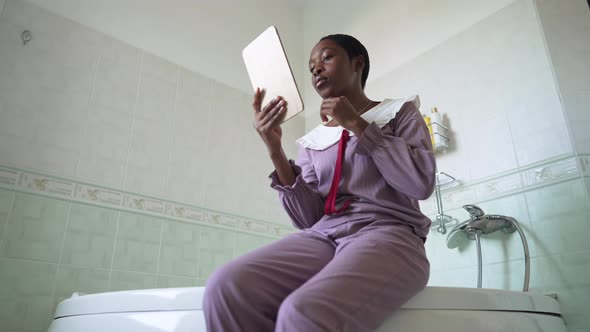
[458, 237]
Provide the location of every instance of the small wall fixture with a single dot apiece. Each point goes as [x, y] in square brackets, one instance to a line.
[26, 36]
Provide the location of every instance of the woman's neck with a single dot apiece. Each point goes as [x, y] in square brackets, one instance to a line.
[359, 100]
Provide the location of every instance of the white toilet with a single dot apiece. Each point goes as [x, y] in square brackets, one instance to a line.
[434, 309]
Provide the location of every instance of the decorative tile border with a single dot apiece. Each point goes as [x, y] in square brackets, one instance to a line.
[71, 190]
[509, 183]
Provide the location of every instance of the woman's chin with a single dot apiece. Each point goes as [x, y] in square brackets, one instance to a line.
[326, 93]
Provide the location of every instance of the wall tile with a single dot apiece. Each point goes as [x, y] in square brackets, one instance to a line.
[70, 280]
[216, 248]
[137, 243]
[559, 217]
[155, 100]
[576, 105]
[36, 228]
[90, 237]
[116, 85]
[174, 281]
[6, 200]
[186, 175]
[159, 68]
[180, 249]
[26, 295]
[123, 280]
[565, 275]
[148, 157]
[247, 242]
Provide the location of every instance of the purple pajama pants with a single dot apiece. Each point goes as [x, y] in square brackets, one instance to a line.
[347, 278]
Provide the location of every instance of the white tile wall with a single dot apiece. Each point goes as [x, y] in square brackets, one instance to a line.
[77, 103]
[494, 84]
[563, 26]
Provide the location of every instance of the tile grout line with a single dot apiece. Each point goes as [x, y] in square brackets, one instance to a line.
[134, 114]
[159, 252]
[114, 250]
[172, 126]
[63, 244]
[198, 273]
[208, 112]
[88, 107]
[8, 216]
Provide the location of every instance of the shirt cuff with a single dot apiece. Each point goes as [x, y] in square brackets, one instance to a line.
[276, 183]
[371, 138]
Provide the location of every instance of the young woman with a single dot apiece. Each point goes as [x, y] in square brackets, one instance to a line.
[354, 194]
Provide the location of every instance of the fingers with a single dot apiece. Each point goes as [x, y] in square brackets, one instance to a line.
[268, 114]
[274, 119]
[257, 100]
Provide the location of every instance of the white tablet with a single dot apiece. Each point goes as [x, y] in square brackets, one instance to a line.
[269, 69]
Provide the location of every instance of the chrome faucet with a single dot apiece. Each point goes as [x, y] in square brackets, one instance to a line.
[480, 223]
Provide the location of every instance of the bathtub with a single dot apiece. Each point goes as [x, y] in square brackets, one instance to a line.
[434, 309]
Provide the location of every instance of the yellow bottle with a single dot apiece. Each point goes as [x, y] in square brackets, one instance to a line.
[429, 125]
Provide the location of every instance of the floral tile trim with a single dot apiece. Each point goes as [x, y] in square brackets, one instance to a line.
[527, 178]
[541, 174]
[13, 178]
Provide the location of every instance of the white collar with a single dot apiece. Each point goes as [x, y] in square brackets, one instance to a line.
[322, 136]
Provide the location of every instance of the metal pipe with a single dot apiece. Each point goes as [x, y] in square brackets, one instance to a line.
[477, 234]
[527, 258]
[525, 246]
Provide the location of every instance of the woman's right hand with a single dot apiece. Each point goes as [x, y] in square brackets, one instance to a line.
[267, 121]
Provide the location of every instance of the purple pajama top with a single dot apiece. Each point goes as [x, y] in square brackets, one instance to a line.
[385, 172]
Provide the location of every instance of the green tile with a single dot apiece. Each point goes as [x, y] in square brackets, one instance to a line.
[180, 249]
[26, 295]
[200, 282]
[567, 276]
[123, 280]
[560, 218]
[84, 280]
[248, 242]
[138, 243]
[35, 229]
[216, 248]
[175, 281]
[90, 237]
[6, 199]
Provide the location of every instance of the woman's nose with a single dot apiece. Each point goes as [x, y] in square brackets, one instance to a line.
[317, 71]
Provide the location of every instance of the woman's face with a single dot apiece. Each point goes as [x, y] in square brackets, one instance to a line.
[332, 72]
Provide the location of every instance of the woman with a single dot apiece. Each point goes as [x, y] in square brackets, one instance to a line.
[354, 194]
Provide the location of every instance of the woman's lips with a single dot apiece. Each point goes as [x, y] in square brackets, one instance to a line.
[321, 82]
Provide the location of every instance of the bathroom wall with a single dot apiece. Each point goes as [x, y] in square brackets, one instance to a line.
[499, 86]
[394, 32]
[79, 104]
[206, 37]
[565, 26]
[118, 169]
[53, 245]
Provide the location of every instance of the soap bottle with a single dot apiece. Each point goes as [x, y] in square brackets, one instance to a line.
[438, 130]
[429, 125]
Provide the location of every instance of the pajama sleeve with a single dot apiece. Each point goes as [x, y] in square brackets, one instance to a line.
[405, 159]
[302, 201]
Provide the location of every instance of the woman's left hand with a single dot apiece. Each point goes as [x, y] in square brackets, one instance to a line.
[342, 111]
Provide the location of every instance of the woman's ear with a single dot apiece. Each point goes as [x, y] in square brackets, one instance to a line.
[358, 63]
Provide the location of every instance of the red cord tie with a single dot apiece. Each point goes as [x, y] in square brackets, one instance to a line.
[330, 207]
